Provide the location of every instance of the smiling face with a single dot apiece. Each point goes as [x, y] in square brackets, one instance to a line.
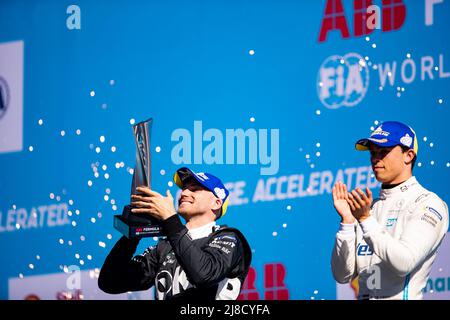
[195, 200]
[391, 165]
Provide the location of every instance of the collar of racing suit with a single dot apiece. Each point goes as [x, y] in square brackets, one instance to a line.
[201, 232]
[402, 187]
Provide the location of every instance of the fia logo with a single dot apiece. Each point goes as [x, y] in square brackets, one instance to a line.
[4, 96]
[342, 80]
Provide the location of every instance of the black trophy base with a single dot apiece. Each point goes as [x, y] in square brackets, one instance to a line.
[136, 225]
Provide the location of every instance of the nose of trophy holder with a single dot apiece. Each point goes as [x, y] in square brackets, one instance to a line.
[130, 224]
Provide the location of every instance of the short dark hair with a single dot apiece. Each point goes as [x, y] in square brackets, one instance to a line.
[406, 149]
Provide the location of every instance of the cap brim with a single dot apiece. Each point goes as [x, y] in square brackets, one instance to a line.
[363, 144]
[182, 173]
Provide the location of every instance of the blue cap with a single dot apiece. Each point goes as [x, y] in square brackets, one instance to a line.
[207, 180]
[389, 134]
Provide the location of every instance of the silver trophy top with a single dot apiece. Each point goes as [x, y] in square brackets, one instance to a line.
[142, 170]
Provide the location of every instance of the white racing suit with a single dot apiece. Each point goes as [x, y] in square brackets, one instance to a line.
[393, 250]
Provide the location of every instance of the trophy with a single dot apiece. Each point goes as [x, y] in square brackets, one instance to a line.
[130, 224]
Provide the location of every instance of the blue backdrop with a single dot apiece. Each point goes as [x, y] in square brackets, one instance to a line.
[252, 65]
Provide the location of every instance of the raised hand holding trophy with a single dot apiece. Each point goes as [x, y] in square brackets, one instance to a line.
[139, 225]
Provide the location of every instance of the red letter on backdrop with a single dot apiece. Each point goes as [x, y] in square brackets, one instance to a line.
[334, 19]
[394, 14]
[360, 17]
[248, 291]
[274, 287]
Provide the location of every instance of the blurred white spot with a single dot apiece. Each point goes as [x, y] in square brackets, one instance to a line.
[155, 238]
[131, 171]
[431, 144]
[63, 133]
[21, 275]
[106, 197]
[89, 257]
[342, 61]
[318, 112]
[252, 119]
[317, 154]
[158, 149]
[284, 225]
[74, 223]
[112, 82]
[38, 257]
[367, 39]
[93, 220]
[399, 94]
[425, 138]
[389, 74]
[419, 164]
[274, 233]
[77, 256]
[69, 242]
[170, 183]
[52, 195]
[69, 213]
[30, 148]
[31, 266]
[132, 121]
[96, 174]
[288, 207]
[408, 55]
[58, 198]
[251, 52]
[113, 149]
[108, 190]
[92, 93]
[78, 132]
[104, 167]
[440, 101]
[106, 176]
[89, 183]
[113, 201]
[109, 236]
[312, 165]
[102, 139]
[432, 162]
[14, 206]
[316, 291]
[374, 45]
[114, 207]
[82, 238]
[70, 202]
[61, 241]
[99, 215]
[97, 149]
[307, 156]
[81, 262]
[380, 88]
[17, 226]
[162, 172]
[40, 122]
[436, 68]
[102, 244]
[375, 122]
[318, 144]
[117, 165]
[448, 164]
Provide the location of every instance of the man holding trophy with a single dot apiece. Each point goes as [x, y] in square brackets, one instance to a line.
[199, 260]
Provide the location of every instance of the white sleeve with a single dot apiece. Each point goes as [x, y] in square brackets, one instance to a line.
[422, 234]
[343, 258]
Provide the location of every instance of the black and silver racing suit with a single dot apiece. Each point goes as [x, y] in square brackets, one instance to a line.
[209, 268]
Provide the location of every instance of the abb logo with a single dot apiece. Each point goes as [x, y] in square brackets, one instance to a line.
[274, 286]
[366, 17]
